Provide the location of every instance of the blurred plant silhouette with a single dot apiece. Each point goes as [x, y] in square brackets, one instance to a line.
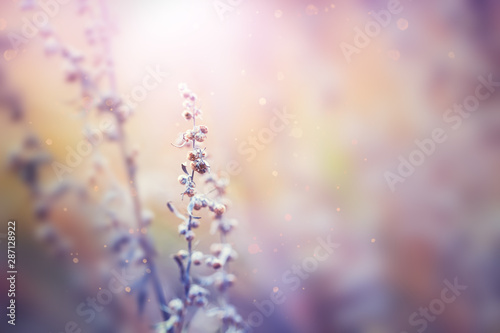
[98, 92]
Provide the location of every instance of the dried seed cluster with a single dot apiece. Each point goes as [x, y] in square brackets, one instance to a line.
[220, 253]
[197, 295]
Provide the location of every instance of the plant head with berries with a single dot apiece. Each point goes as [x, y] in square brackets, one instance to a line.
[195, 292]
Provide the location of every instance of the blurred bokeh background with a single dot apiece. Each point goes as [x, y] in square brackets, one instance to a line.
[307, 115]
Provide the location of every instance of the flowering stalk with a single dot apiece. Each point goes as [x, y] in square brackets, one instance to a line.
[195, 289]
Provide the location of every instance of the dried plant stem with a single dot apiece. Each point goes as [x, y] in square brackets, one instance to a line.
[196, 292]
[187, 282]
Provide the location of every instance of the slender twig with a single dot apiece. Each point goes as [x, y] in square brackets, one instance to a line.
[190, 242]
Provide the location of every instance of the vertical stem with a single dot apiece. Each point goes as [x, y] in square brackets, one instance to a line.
[187, 282]
[190, 245]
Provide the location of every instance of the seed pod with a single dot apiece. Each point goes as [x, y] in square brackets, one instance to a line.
[187, 115]
[190, 192]
[200, 137]
[229, 316]
[201, 301]
[216, 264]
[176, 306]
[223, 282]
[189, 235]
[204, 202]
[209, 260]
[204, 129]
[189, 135]
[197, 201]
[181, 254]
[200, 166]
[192, 156]
[219, 209]
[196, 257]
[183, 179]
[197, 204]
[195, 291]
[182, 229]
